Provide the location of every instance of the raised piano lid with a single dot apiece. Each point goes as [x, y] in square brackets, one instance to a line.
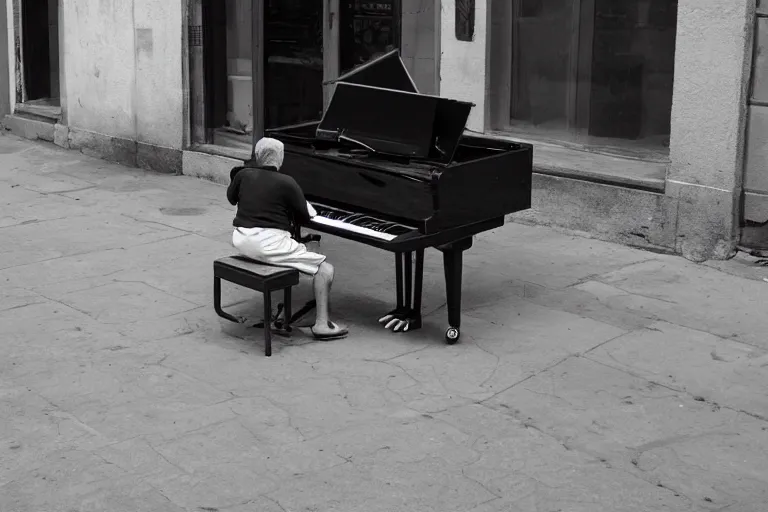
[395, 122]
[387, 70]
[381, 120]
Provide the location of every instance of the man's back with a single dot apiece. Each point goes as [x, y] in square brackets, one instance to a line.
[266, 199]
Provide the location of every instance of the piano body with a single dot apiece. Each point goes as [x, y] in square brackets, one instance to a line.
[392, 168]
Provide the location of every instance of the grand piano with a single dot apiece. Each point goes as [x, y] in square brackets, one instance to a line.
[392, 168]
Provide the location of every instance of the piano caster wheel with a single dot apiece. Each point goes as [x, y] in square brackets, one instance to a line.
[452, 335]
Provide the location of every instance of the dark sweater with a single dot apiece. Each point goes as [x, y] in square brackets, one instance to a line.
[267, 199]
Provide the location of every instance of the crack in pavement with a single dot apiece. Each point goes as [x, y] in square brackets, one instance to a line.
[678, 390]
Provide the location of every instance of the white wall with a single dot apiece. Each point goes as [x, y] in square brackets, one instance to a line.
[122, 68]
[463, 66]
[419, 42]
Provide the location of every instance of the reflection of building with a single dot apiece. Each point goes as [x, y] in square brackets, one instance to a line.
[637, 108]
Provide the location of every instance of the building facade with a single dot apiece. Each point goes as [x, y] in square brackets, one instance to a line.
[647, 117]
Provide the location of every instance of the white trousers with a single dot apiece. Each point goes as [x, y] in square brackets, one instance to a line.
[276, 247]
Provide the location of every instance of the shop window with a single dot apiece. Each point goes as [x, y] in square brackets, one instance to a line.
[592, 72]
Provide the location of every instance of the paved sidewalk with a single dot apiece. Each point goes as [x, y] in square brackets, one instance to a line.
[590, 377]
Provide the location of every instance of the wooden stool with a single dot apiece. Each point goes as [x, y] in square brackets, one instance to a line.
[256, 276]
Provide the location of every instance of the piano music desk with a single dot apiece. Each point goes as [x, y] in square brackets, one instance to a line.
[256, 276]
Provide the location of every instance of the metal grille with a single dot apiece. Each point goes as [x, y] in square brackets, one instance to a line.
[196, 35]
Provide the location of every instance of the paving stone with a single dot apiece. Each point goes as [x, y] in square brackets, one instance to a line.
[421, 486]
[173, 278]
[202, 319]
[53, 183]
[695, 296]
[34, 359]
[125, 302]
[201, 490]
[497, 505]
[557, 260]
[402, 437]
[37, 208]
[36, 242]
[14, 298]
[53, 326]
[68, 479]
[260, 504]
[14, 194]
[706, 453]
[282, 381]
[181, 251]
[121, 495]
[581, 302]
[32, 428]
[529, 468]
[231, 441]
[512, 341]
[106, 175]
[707, 367]
[269, 424]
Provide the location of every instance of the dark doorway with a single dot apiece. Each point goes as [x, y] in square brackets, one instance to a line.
[293, 61]
[292, 75]
[214, 15]
[39, 56]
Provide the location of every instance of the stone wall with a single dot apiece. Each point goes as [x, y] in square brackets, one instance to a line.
[122, 74]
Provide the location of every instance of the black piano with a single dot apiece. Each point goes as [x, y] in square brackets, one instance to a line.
[393, 169]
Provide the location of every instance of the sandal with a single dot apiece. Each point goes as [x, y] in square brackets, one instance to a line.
[341, 333]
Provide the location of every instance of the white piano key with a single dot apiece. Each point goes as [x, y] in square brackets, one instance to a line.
[351, 227]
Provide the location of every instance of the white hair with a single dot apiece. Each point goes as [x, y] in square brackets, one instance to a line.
[269, 153]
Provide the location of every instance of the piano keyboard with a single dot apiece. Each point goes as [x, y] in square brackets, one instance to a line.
[358, 223]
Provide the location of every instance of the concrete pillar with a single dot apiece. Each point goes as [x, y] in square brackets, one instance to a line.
[463, 64]
[712, 61]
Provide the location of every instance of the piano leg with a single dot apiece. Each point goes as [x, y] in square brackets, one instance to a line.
[415, 320]
[408, 260]
[399, 279]
[407, 314]
[453, 256]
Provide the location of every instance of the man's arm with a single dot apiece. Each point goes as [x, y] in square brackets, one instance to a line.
[298, 202]
[233, 191]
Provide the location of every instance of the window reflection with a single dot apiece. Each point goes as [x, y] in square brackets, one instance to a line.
[594, 71]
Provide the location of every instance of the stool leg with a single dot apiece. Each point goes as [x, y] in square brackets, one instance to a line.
[287, 306]
[217, 302]
[267, 323]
